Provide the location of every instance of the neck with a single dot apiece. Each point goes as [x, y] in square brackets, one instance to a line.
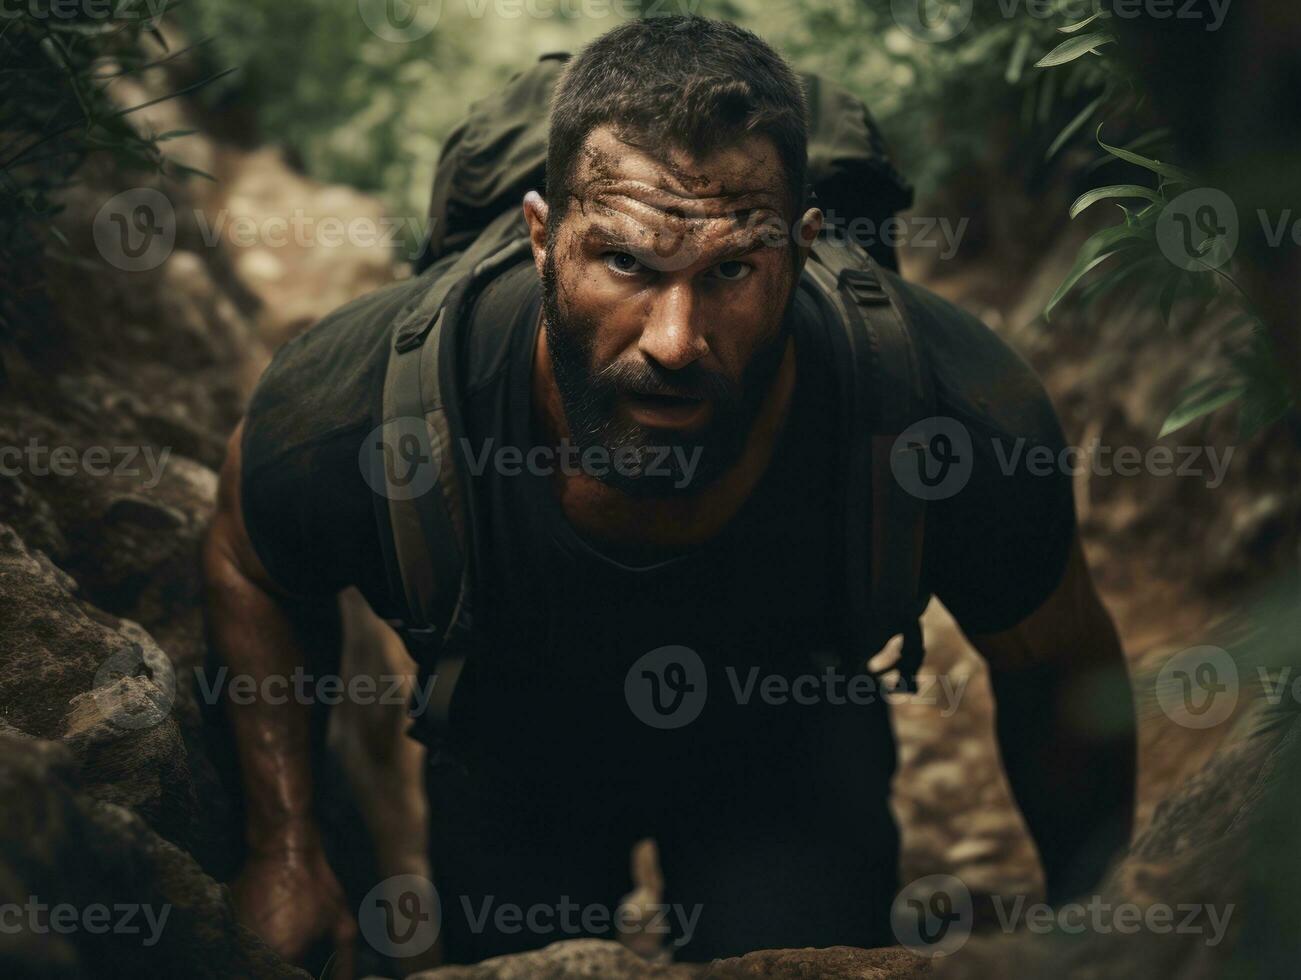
[659, 525]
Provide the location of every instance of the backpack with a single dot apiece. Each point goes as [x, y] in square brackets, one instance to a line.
[488, 164]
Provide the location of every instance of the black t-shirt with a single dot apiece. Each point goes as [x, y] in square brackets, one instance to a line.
[562, 623]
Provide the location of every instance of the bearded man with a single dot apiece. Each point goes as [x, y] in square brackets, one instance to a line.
[661, 333]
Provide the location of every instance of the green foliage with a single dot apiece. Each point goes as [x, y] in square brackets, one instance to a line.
[58, 68]
[1202, 281]
[366, 111]
[354, 107]
[942, 102]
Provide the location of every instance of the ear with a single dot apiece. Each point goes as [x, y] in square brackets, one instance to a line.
[806, 233]
[535, 214]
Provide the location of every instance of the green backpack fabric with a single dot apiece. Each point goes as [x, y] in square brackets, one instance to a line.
[499, 153]
[488, 164]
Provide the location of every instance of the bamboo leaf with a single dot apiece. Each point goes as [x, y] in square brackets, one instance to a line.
[1076, 47]
[1073, 28]
[1074, 126]
[1166, 170]
[1199, 400]
[1107, 193]
[1094, 252]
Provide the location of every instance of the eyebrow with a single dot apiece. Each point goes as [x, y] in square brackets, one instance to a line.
[600, 233]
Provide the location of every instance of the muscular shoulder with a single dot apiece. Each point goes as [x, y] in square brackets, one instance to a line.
[998, 545]
[324, 379]
[307, 509]
[309, 512]
[978, 378]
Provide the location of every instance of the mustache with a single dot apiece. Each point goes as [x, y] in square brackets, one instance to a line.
[647, 378]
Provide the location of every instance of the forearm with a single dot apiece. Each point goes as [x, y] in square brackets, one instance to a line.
[254, 637]
[1067, 739]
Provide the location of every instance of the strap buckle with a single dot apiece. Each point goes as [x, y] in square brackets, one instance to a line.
[421, 639]
[413, 333]
[863, 285]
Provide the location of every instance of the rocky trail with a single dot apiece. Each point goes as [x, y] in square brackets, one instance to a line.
[113, 784]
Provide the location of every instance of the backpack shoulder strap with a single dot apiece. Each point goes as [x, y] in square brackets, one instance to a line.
[427, 507]
[887, 391]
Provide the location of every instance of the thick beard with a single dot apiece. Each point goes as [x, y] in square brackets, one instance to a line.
[588, 397]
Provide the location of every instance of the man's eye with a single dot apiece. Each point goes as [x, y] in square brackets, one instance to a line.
[623, 263]
[732, 271]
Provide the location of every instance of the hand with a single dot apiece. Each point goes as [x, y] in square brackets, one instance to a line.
[291, 898]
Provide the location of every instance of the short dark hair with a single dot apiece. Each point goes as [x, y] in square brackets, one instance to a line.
[685, 82]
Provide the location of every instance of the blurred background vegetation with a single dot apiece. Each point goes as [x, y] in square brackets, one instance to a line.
[351, 99]
[363, 110]
[1008, 122]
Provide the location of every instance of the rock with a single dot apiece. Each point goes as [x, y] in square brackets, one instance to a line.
[599, 959]
[73, 672]
[834, 963]
[62, 849]
[1191, 854]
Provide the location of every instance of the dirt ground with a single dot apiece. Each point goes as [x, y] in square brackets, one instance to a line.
[952, 800]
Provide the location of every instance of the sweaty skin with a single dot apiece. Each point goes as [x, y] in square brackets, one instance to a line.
[713, 254]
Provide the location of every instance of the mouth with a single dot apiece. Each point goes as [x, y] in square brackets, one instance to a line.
[656, 410]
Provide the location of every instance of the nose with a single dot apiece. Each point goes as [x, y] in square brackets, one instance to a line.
[672, 336]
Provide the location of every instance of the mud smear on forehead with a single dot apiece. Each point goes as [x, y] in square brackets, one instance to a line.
[665, 181]
[644, 204]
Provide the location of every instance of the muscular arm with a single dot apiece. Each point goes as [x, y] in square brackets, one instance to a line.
[287, 892]
[1065, 726]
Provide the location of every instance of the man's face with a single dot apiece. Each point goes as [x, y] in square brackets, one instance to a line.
[666, 287]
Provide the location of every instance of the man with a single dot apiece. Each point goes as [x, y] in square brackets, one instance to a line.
[660, 310]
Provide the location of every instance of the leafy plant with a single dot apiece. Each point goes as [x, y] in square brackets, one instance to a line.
[58, 67]
[1136, 252]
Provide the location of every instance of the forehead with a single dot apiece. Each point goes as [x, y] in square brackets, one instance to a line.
[746, 177]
